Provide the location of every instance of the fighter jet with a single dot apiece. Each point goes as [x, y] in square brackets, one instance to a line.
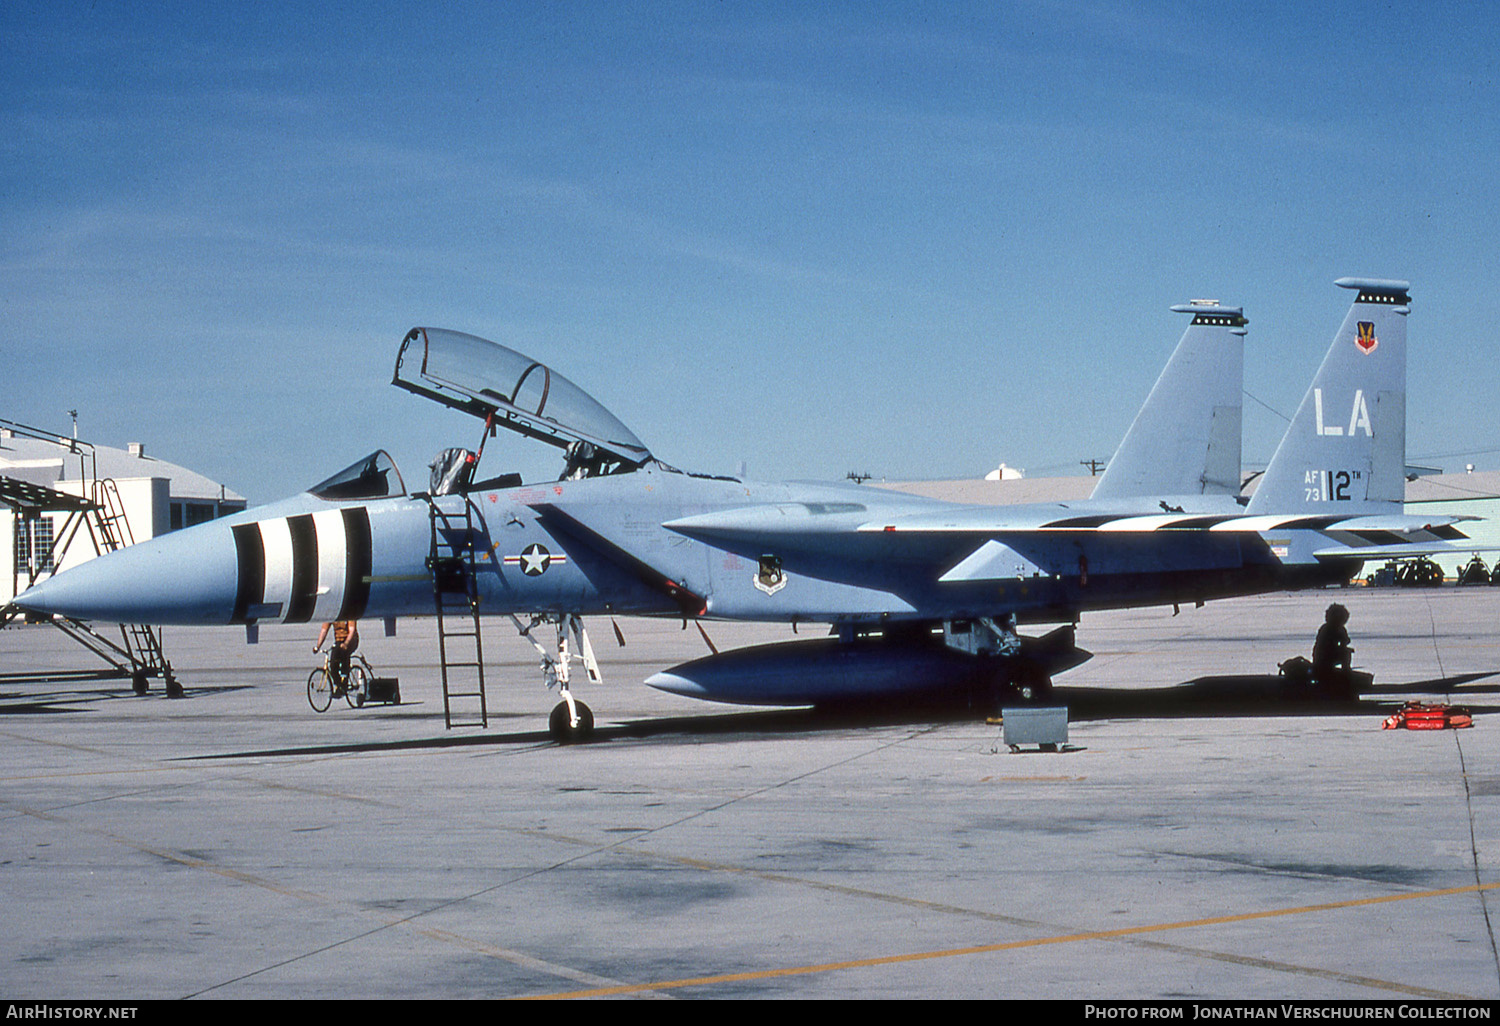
[923, 597]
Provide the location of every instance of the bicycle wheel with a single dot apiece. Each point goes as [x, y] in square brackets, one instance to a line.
[319, 693]
[357, 686]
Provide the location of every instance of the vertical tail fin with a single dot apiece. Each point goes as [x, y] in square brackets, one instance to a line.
[1186, 439]
[1345, 450]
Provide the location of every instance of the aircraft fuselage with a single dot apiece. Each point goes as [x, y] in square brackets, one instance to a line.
[601, 545]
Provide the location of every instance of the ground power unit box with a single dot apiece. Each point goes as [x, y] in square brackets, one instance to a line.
[1035, 725]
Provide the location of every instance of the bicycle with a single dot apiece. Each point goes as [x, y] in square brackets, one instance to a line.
[324, 684]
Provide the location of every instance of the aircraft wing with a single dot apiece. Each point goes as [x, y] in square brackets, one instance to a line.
[1367, 537]
[1000, 520]
[999, 542]
[785, 520]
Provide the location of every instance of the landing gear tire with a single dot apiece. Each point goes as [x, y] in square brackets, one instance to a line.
[1022, 681]
[1035, 690]
[1033, 683]
[564, 731]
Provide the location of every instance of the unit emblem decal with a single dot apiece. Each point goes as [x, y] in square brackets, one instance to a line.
[769, 577]
[1366, 339]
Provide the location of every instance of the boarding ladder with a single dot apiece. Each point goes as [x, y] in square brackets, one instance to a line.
[142, 645]
[455, 596]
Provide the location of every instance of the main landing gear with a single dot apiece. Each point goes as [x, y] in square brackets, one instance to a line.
[1013, 668]
[571, 720]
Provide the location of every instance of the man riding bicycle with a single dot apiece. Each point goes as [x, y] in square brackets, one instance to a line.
[345, 642]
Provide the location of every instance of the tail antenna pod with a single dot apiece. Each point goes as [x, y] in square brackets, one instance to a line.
[1381, 291]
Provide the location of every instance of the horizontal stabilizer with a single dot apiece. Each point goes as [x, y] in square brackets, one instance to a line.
[1401, 551]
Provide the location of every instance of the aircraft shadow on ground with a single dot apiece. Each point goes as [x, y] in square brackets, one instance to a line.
[10, 708]
[78, 698]
[1240, 695]
[1259, 695]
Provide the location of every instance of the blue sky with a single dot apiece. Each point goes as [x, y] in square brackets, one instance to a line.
[911, 240]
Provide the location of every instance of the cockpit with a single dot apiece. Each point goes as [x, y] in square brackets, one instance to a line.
[507, 389]
[503, 388]
[373, 477]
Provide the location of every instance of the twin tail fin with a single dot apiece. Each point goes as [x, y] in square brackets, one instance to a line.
[1186, 438]
[1345, 450]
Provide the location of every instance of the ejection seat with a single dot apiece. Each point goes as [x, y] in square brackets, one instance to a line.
[452, 471]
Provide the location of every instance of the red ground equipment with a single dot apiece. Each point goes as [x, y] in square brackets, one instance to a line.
[1417, 716]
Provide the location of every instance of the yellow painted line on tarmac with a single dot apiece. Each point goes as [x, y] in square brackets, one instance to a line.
[981, 949]
[1033, 924]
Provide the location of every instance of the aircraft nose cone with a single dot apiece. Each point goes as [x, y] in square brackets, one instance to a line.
[186, 577]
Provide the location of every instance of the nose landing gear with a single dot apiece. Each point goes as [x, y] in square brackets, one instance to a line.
[571, 721]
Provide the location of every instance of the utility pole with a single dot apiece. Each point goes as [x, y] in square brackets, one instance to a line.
[1094, 466]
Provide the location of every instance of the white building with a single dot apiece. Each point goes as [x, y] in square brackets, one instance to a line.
[153, 496]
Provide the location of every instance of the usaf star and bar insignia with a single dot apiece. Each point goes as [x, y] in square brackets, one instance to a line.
[535, 559]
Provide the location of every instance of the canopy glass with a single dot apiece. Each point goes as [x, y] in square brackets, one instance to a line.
[373, 477]
[488, 380]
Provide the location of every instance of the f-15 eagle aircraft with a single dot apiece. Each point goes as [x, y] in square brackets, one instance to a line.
[922, 595]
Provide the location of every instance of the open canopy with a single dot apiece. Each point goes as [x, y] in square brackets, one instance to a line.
[488, 380]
